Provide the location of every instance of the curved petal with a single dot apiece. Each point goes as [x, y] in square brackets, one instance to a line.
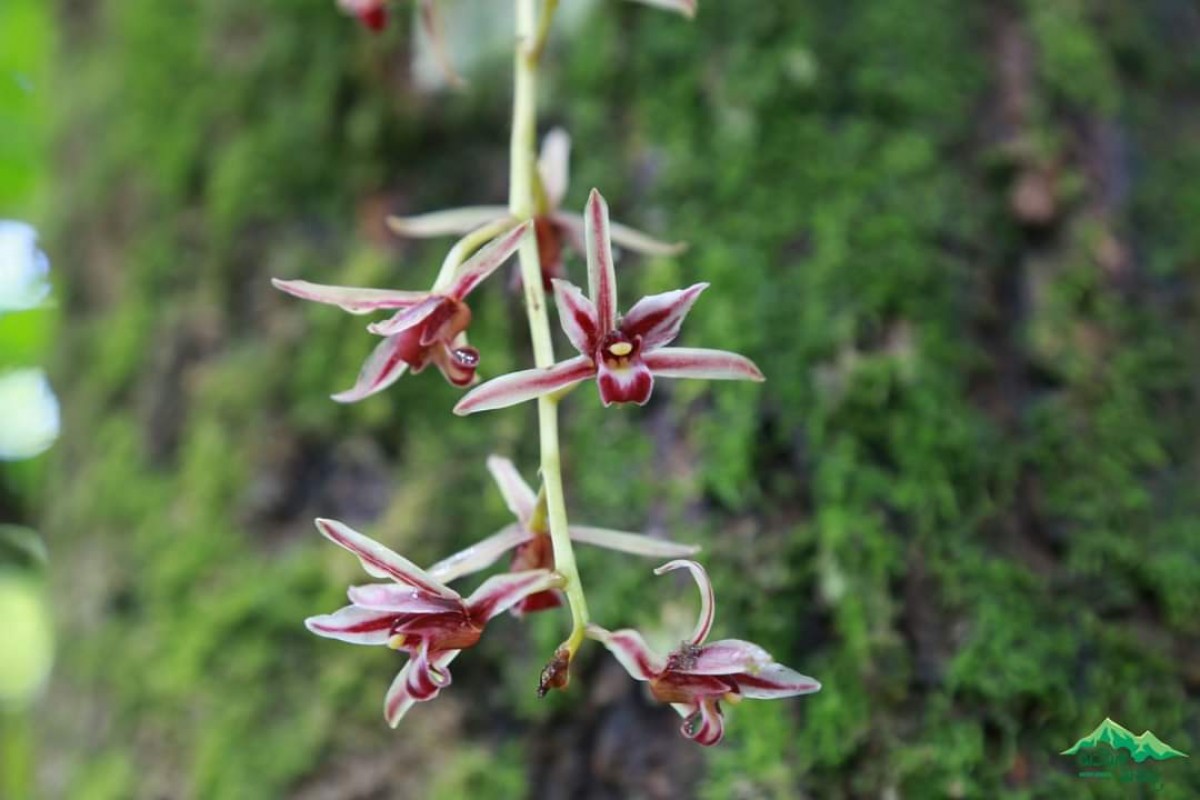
[775, 680]
[695, 362]
[400, 599]
[708, 603]
[633, 382]
[398, 700]
[457, 363]
[381, 369]
[706, 726]
[350, 298]
[451, 222]
[480, 555]
[657, 317]
[577, 316]
[685, 7]
[633, 543]
[354, 625]
[517, 387]
[602, 281]
[411, 316]
[638, 242]
[629, 648]
[380, 561]
[486, 261]
[554, 165]
[501, 592]
[517, 494]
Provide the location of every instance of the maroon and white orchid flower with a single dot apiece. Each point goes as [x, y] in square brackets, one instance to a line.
[553, 227]
[530, 542]
[427, 328]
[416, 614]
[700, 675]
[623, 354]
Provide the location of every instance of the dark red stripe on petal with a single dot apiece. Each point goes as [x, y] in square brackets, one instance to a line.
[690, 362]
[517, 387]
[657, 318]
[602, 282]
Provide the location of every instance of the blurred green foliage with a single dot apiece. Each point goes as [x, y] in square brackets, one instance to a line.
[965, 499]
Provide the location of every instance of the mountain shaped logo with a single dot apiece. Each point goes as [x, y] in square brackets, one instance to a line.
[1141, 747]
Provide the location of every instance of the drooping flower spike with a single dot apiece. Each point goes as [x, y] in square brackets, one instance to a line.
[697, 677]
[623, 354]
[553, 227]
[428, 327]
[531, 545]
[416, 614]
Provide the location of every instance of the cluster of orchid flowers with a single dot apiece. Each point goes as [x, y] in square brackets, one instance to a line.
[415, 611]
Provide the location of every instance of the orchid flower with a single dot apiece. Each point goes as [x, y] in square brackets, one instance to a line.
[428, 327]
[697, 677]
[530, 541]
[622, 354]
[416, 614]
[552, 226]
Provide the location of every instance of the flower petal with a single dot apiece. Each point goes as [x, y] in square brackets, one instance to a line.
[775, 680]
[398, 700]
[501, 592]
[411, 316]
[729, 657]
[631, 650]
[517, 494]
[707, 601]
[602, 281]
[485, 262]
[695, 362]
[453, 221]
[456, 362]
[632, 382]
[354, 625]
[381, 369]
[350, 298]
[633, 543]
[685, 7]
[570, 227]
[432, 25]
[380, 561]
[554, 165]
[657, 318]
[706, 726]
[638, 242]
[480, 555]
[400, 599]
[517, 387]
[577, 316]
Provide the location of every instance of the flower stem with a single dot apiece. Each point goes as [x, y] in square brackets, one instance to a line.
[521, 205]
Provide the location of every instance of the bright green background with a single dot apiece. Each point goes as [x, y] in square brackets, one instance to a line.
[965, 499]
